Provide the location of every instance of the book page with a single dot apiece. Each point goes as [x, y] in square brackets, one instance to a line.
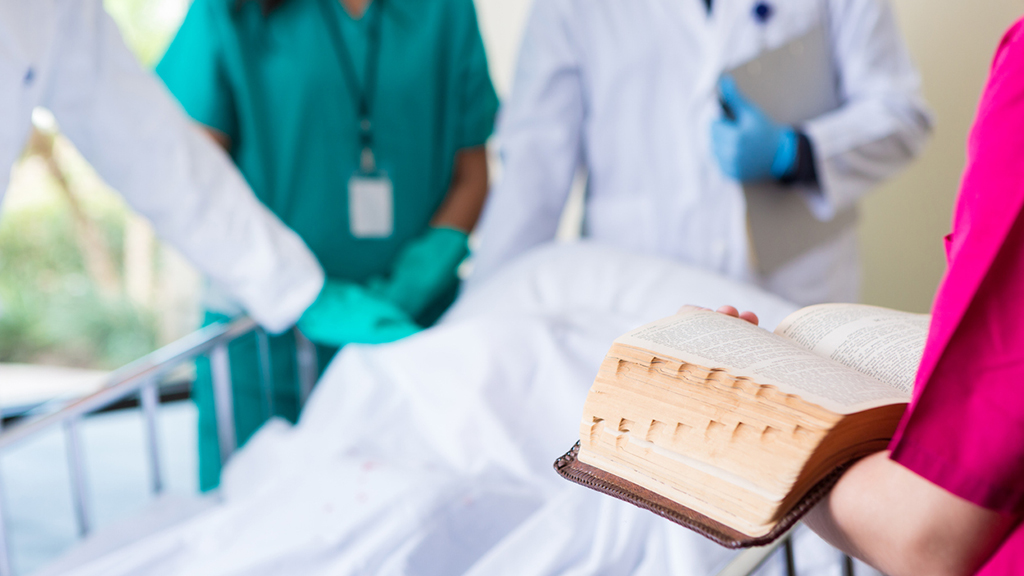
[717, 341]
[884, 344]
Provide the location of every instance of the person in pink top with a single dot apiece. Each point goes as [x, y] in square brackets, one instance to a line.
[948, 495]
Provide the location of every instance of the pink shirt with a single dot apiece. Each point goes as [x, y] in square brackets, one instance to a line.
[964, 430]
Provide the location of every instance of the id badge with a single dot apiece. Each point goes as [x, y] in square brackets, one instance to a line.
[371, 206]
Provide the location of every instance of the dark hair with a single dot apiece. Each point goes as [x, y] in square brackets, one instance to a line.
[268, 6]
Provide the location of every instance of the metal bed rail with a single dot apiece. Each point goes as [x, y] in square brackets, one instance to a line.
[748, 561]
[142, 379]
[751, 559]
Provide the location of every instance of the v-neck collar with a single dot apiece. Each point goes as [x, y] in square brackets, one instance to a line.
[362, 17]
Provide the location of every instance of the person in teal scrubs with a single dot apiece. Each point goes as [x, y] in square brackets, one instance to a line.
[361, 124]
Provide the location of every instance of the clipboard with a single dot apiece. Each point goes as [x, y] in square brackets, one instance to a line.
[792, 84]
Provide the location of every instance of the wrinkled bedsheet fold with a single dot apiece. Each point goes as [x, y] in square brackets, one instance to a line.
[432, 456]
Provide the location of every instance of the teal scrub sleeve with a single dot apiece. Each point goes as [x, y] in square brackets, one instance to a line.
[479, 101]
[193, 69]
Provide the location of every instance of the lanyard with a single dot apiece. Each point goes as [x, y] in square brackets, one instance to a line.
[362, 93]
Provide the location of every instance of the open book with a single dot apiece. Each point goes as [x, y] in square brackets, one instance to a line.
[735, 431]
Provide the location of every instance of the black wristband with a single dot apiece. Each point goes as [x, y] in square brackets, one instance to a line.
[805, 172]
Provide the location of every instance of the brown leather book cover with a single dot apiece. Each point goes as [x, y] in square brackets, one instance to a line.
[570, 468]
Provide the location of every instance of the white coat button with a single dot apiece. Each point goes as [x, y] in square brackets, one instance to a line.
[763, 12]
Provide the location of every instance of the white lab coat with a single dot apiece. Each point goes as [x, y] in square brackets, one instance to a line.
[627, 90]
[68, 56]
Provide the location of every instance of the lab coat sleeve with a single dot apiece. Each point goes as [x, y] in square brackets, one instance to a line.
[137, 137]
[883, 124]
[193, 70]
[539, 137]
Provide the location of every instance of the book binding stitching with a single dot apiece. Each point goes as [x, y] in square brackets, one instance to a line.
[570, 468]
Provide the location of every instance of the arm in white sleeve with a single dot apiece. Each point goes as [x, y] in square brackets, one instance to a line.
[884, 122]
[131, 130]
[539, 135]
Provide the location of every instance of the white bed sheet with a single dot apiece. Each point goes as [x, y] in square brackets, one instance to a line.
[432, 456]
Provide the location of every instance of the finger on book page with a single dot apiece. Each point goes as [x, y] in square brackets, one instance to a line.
[732, 311]
[727, 310]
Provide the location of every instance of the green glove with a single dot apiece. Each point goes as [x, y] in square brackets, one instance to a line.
[346, 313]
[424, 270]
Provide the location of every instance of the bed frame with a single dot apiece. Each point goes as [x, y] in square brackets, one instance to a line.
[142, 380]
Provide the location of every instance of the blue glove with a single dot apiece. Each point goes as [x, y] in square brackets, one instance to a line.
[426, 268]
[346, 313]
[750, 146]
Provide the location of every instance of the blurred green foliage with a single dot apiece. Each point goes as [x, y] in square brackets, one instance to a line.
[50, 311]
[147, 25]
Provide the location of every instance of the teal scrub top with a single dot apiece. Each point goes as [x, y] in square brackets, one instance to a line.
[274, 84]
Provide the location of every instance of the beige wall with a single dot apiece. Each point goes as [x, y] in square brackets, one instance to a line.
[501, 24]
[952, 42]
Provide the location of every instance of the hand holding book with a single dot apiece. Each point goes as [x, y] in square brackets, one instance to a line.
[735, 431]
[727, 310]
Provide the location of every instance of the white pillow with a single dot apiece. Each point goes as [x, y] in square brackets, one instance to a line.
[561, 278]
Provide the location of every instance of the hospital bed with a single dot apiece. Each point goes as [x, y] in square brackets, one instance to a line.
[142, 381]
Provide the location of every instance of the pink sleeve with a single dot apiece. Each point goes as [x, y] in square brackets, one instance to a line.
[964, 431]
